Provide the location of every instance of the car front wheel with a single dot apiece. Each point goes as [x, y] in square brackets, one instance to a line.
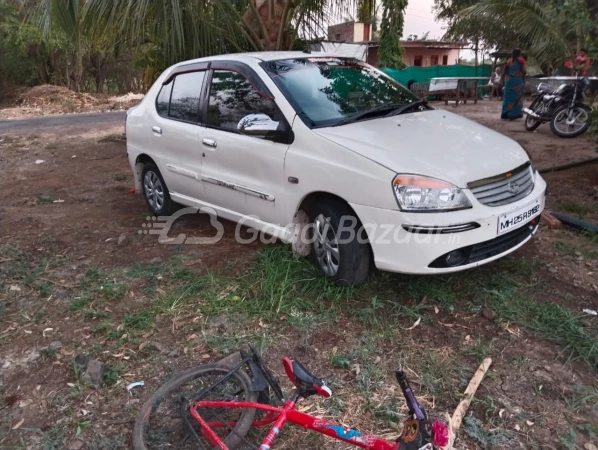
[155, 191]
[338, 243]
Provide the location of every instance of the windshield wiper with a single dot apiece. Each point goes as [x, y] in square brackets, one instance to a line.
[404, 108]
[305, 117]
[367, 113]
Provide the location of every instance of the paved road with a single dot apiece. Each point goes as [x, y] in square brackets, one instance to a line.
[70, 119]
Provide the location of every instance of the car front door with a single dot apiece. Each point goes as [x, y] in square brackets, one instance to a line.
[242, 174]
[175, 133]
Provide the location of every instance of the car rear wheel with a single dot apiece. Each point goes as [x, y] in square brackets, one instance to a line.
[342, 254]
[155, 191]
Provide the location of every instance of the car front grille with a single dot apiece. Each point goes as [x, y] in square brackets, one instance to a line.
[493, 247]
[501, 244]
[505, 188]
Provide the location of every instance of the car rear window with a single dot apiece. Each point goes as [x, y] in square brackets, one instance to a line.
[164, 99]
[179, 99]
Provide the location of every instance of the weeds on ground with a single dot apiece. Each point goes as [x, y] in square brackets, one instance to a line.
[120, 177]
[44, 199]
[574, 207]
[112, 138]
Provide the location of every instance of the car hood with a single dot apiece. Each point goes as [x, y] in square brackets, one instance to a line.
[433, 143]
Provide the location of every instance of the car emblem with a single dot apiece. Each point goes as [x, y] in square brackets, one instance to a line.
[513, 187]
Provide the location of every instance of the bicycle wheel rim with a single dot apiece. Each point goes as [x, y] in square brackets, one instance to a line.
[164, 421]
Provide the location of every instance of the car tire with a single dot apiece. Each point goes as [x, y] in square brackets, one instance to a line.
[345, 263]
[155, 192]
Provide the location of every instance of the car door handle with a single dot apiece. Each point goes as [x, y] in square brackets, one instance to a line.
[157, 130]
[209, 143]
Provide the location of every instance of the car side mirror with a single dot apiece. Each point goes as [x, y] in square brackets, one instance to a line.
[259, 125]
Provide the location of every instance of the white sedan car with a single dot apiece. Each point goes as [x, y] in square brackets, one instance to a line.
[335, 157]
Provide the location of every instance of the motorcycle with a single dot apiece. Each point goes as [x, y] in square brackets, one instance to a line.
[562, 107]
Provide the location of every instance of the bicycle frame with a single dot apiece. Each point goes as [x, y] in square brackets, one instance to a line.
[278, 417]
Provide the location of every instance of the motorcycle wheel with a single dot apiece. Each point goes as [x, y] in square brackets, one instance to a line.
[532, 123]
[570, 125]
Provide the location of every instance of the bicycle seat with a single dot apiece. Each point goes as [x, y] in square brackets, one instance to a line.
[305, 382]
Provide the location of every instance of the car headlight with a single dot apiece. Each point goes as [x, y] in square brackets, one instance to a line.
[418, 193]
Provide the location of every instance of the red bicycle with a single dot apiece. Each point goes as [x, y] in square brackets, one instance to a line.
[223, 406]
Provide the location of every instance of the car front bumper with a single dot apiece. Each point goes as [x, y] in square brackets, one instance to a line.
[396, 249]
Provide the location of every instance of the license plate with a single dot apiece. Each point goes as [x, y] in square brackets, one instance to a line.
[509, 222]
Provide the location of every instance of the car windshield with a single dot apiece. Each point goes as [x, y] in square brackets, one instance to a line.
[328, 91]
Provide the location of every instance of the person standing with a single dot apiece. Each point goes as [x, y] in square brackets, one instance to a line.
[495, 82]
[514, 73]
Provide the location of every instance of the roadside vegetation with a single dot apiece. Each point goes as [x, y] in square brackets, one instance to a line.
[138, 315]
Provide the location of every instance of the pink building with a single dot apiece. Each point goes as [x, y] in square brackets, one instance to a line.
[421, 53]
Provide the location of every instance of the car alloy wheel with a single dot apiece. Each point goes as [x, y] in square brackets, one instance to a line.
[154, 191]
[326, 246]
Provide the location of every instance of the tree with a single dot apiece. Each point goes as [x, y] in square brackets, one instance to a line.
[548, 30]
[366, 11]
[187, 29]
[68, 17]
[391, 30]
[483, 33]
[15, 64]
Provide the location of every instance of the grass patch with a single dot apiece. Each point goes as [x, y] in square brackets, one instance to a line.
[573, 251]
[547, 320]
[120, 177]
[284, 282]
[44, 199]
[112, 373]
[565, 248]
[573, 207]
[475, 429]
[583, 397]
[53, 439]
[112, 138]
[140, 321]
[107, 443]
[79, 303]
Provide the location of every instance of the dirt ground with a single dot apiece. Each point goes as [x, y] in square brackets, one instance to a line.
[49, 100]
[77, 271]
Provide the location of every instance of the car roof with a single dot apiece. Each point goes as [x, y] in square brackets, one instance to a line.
[262, 56]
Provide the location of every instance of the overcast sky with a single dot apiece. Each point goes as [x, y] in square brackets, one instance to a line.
[419, 18]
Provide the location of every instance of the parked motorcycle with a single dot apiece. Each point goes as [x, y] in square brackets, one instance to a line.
[562, 107]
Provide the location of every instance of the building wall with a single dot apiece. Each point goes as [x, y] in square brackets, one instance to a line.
[349, 32]
[426, 54]
[342, 32]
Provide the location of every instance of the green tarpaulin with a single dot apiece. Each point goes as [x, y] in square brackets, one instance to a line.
[424, 74]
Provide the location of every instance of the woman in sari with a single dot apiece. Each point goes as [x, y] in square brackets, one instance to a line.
[514, 80]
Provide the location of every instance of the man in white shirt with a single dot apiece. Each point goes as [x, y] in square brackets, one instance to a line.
[495, 82]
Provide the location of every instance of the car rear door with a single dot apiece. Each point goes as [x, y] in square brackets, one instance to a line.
[174, 128]
[243, 174]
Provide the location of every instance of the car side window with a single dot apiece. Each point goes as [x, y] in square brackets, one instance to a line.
[184, 101]
[163, 99]
[233, 97]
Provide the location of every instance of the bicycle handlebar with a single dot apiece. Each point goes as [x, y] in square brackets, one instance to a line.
[412, 403]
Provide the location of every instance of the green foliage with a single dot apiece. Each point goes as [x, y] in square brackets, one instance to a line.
[391, 30]
[112, 373]
[17, 63]
[474, 428]
[549, 31]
